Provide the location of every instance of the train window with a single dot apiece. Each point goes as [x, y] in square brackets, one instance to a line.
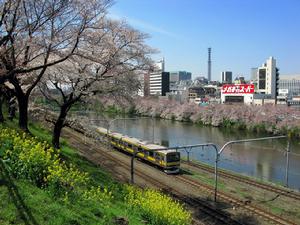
[158, 157]
[151, 154]
[140, 149]
[129, 145]
[173, 157]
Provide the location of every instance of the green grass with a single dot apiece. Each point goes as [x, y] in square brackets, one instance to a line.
[24, 203]
[27, 204]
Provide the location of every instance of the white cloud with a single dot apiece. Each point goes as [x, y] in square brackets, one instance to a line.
[143, 25]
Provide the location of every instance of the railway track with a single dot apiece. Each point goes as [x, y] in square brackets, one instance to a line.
[245, 180]
[214, 214]
[218, 215]
[238, 203]
[199, 205]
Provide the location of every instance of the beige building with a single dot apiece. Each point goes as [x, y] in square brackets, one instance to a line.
[266, 78]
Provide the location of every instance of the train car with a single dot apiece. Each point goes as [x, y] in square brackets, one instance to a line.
[168, 160]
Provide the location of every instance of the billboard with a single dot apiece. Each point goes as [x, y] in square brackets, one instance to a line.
[237, 89]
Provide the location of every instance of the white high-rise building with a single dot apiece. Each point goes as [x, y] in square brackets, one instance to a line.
[159, 80]
[267, 78]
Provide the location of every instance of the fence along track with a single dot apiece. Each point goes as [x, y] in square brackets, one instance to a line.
[245, 180]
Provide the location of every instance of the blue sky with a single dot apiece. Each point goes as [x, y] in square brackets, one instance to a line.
[241, 33]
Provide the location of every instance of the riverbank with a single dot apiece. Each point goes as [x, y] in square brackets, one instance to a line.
[279, 119]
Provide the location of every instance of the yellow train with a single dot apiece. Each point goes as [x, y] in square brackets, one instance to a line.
[168, 160]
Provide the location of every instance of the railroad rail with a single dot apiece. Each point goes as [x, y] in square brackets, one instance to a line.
[210, 211]
[238, 203]
[195, 203]
[249, 181]
[218, 216]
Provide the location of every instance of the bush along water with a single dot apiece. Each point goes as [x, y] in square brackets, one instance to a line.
[27, 158]
[274, 119]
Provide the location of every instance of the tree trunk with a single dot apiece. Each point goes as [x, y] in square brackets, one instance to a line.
[59, 124]
[23, 111]
[1, 113]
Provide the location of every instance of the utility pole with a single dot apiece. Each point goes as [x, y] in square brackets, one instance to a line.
[287, 164]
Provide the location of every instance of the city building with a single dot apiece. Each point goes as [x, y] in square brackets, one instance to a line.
[289, 85]
[177, 76]
[239, 80]
[159, 83]
[237, 93]
[253, 77]
[196, 94]
[179, 90]
[201, 80]
[267, 76]
[159, 80]
[226, 77]
[289, 90]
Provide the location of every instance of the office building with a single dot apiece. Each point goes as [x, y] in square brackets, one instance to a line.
[159, 83]
[177, 76]
[290, 84]
[267, 76]
[226, 77]
[159, 80]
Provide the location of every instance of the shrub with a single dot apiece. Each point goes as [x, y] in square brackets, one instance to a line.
[37, 162]
[156, 207]
[62, 178]
[99, 194]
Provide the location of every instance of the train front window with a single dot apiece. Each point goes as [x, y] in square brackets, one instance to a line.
[173, 157]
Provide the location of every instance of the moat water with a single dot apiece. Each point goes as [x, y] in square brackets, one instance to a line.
[264, 160]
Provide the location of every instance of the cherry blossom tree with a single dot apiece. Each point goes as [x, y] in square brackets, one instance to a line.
[38, 34]
[106, 64]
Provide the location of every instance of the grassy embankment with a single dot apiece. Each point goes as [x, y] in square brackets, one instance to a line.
[40, 185]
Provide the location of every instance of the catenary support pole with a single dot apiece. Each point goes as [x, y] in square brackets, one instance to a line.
[216, 176]
[287, 164]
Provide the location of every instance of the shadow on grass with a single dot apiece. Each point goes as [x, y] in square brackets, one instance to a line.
[23, 210]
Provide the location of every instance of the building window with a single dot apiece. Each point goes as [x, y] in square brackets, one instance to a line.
[262, 84]
[262, 74]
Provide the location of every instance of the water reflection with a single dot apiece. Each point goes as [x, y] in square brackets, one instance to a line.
[264, 160]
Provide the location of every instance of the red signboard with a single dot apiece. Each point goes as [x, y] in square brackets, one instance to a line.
[238, 89]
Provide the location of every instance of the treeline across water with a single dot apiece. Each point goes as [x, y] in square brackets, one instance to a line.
[273, 119]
